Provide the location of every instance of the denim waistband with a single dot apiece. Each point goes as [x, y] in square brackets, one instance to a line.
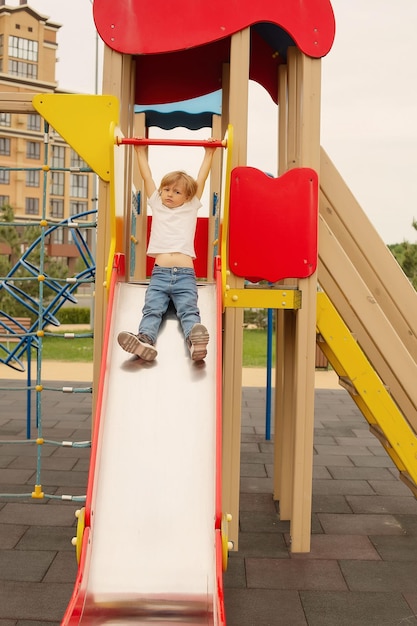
[157, 269]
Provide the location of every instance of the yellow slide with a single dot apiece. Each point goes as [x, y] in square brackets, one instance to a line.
[367, 321]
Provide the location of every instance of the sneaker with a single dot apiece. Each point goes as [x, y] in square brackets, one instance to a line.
[141, 345]
[197, 342]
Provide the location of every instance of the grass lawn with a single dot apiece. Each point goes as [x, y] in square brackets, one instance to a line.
[61, 349]
[255, 348]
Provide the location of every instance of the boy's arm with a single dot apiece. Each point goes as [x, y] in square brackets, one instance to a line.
[144, 169]
[204, 170]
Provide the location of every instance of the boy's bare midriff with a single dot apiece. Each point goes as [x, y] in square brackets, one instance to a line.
[173, 259]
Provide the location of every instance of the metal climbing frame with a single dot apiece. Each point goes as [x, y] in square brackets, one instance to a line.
[52, 294]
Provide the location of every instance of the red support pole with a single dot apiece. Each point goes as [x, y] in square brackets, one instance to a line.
[171, 142]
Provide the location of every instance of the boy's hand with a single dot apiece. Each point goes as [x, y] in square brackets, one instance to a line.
[209, 148]
[139, 147]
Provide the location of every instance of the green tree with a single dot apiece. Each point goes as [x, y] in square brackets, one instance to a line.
[9, 234]
[406, 255]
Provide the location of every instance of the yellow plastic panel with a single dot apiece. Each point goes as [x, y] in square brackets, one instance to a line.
[83, 122]
[263, 298]
[373, 398]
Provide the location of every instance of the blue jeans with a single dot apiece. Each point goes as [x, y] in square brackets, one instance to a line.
[170, 283]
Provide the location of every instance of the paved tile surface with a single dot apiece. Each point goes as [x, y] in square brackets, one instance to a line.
[362, 566]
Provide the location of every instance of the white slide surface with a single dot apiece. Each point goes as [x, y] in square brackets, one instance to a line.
[152, 543]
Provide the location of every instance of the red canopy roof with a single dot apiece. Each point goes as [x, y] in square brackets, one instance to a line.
[182, 45]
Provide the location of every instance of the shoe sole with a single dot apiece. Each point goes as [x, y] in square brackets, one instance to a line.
[130, 343]
[199, 338]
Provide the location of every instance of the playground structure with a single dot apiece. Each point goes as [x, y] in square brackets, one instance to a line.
[22, 337]
[346, 292]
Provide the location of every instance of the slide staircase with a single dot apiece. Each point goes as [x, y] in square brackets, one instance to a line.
[367, 321]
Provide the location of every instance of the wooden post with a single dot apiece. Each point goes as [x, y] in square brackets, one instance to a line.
[117, 81]
[140, 234]
[307, 154]
[284, 383]
[284, 407]
[233, 318]
[299, 146]
[215, 183]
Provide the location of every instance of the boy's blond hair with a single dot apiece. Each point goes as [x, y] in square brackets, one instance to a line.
[190, 185]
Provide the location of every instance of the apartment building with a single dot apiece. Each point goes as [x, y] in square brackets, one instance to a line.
[28, 56]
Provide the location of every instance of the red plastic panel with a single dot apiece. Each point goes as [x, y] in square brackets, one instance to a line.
[273, 224]
[201, 248]
[182, 46]
[158, 26]
[201, 71]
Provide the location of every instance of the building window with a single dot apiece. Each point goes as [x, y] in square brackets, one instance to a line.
[57, 183]
[4, 200]
[32, 178]
[32, 206]
[79, 186]
[5, 119]
[4, 146]
[76, 160]
[57, 235]
[21, 48]
[27, 51]
[57, 208]
[33, 150]
[23, 69]
[4, 177]
[58, 156]
[78, 207]
[34, 121]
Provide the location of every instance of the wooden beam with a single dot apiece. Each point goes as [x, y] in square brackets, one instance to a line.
[233, 318]
[11, 102]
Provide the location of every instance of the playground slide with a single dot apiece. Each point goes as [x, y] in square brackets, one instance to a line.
[151, 553]
[376, 302]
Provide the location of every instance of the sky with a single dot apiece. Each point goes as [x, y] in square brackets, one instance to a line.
[369, 102]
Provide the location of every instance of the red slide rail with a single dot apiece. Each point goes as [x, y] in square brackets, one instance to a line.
[221, 616]
[75, 607]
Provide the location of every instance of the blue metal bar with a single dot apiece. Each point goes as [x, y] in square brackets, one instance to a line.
[268, 376]
[28, 391]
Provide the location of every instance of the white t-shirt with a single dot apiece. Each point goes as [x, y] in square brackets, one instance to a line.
[172, 230]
